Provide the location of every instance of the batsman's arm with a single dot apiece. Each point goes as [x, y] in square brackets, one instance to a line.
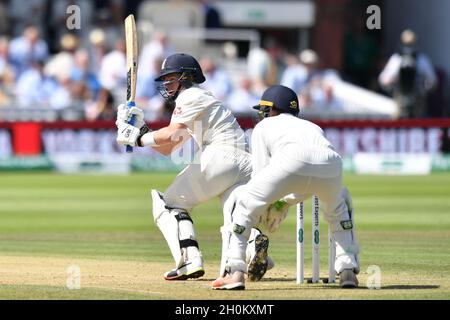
[164, 150]
[167, 139]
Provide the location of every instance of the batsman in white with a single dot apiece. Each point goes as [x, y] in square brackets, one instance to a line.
[292, 160]
[220, 165]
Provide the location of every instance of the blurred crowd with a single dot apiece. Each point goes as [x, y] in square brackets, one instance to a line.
[45, 66]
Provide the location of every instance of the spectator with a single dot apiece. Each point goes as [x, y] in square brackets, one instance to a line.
[410, 76]
[217, 79]
[317, 91]
[147, 94]
[146, 86]
[258, 66]
[241, 101]
[152, 52]
[36, 90]
[295, 76]
[113, 71]
[29, 86]
[102, 108]
[61, 64]
[97, 50]
[326, 101]
[85, 84]
[7, 75]
[277, 65]
[27, 49]
[310, 61]
[58, 92]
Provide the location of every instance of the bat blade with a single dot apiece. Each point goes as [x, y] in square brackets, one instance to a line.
[132, 64]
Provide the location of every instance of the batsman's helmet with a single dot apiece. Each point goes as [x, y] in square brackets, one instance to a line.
[283, 99]
[184, 64]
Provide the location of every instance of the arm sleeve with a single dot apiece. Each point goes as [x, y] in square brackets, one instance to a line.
[428, 72]
[390, 72]
[287, 79]
[260, 152]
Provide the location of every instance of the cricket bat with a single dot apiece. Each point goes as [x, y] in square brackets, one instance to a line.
[132, 65]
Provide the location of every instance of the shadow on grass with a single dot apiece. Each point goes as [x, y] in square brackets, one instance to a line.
[409, 287]
[324, 285]
[307, 280]
[336, 287]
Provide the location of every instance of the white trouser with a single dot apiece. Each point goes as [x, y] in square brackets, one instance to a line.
[274, 183]
[220, 171]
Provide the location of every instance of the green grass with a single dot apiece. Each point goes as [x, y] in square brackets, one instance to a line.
[403, 226]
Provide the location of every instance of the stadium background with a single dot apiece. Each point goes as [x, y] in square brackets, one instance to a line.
[60, 114]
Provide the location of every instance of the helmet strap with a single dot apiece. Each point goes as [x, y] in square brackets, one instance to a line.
[187, 82]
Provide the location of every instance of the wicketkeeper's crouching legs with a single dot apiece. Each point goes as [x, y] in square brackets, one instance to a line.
[341, 220]
[271, 185]
[337, 206]
[257, 260]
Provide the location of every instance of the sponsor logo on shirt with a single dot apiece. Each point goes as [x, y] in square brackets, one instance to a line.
[178, 111]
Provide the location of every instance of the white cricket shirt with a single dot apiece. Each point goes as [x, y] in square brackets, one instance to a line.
[296, 145]
[207, 120]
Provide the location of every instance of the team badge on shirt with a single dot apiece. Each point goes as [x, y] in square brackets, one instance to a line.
[178, 111]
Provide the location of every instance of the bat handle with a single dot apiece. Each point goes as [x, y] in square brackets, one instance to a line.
[130, 105]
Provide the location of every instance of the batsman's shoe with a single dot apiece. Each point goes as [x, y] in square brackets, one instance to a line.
[236, 281]
[190, 270]
[259, 261]
[348, 279]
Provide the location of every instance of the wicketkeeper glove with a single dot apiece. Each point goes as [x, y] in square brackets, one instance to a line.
[276, 214]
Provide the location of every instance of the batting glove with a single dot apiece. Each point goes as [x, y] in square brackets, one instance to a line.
[127, 135]
[124, 115]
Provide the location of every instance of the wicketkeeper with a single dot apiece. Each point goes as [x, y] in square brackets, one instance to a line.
[221, 164]
[292, 161]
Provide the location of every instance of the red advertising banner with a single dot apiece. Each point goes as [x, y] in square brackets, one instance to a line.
[348, 137]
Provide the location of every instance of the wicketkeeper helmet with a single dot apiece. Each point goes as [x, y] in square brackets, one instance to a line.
[281, 98]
